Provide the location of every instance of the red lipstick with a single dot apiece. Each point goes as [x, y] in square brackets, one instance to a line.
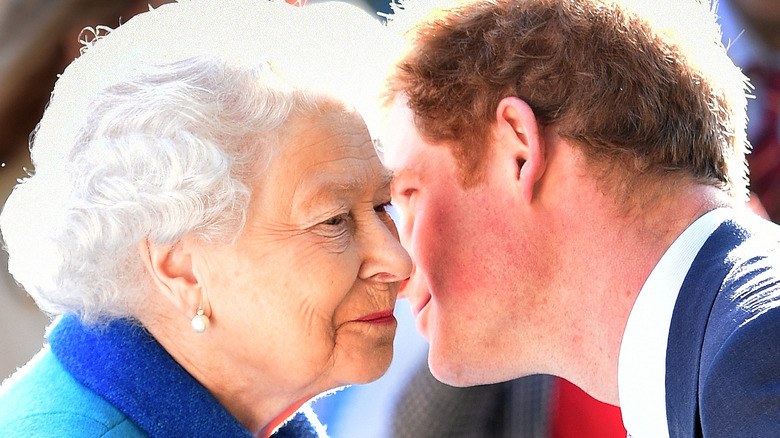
[383, 317]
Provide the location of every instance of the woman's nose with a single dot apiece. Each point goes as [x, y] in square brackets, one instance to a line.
[385, 259]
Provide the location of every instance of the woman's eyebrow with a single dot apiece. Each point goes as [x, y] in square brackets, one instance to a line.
[387, 178]
[352, 184]
[339, 187]
[325, 188]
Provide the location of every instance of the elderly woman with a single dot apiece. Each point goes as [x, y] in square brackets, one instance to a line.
[212, 237]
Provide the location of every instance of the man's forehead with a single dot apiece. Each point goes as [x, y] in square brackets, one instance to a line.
[399, 136]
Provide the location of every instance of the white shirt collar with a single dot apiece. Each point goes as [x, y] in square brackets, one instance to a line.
[642, 360]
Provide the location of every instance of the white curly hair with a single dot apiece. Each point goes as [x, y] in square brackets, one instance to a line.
[154, 133]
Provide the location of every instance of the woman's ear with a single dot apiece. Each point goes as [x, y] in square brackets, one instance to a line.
[170, 269]
[518, 131]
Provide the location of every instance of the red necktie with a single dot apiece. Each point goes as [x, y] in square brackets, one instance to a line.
[575, 414]
[764, 161]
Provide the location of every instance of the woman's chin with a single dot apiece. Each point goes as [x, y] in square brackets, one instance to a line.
[370, 367]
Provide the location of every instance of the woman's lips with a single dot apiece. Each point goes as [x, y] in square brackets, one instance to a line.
[383, 317]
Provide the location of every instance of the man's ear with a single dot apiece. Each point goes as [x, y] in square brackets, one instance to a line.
[170, 269]
[518, 131]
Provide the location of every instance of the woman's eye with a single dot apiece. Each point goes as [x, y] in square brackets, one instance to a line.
[382, 208]
[336, 221]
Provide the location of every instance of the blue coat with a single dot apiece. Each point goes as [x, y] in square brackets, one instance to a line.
[723, 353]
[114, 382]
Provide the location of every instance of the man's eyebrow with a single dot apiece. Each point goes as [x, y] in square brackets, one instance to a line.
[404, 172]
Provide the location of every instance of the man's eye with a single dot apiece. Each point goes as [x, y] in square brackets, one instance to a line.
[404, 194]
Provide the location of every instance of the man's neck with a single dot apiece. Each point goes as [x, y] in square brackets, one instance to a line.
[622, 251]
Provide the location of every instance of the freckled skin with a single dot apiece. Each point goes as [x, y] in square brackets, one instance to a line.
[471, 262]
[309, 262]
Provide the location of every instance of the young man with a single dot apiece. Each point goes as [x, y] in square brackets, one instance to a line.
[571, 181]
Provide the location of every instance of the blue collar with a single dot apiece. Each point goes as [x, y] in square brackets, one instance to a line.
[125, 365]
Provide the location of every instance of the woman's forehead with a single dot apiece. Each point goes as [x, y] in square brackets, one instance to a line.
[330, 155]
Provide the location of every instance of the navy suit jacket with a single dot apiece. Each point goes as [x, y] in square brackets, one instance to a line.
[723, 353]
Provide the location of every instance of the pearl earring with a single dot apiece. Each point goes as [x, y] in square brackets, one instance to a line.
[200, 322]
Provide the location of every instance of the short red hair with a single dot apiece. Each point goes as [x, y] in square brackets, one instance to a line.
[633, 93]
